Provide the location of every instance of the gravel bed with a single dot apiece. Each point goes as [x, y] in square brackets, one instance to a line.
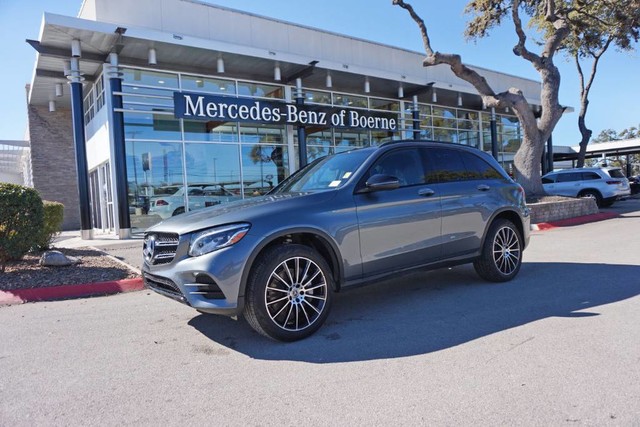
[95, 266]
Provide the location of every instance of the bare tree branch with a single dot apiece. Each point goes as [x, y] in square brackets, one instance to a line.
[420, 22]
[520, 49]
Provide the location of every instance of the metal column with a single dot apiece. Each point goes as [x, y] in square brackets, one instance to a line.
[550, 154]
[119, 149]
[77, 114]
[415, 113]
[302, 137]
[494, 134]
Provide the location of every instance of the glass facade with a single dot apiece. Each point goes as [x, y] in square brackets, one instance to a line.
[175, 165]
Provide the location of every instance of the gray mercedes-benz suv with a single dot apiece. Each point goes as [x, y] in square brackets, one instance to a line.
[342, 220]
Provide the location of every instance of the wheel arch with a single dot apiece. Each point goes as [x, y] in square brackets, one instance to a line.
[313, 238]
[590, 190]
[510, 215]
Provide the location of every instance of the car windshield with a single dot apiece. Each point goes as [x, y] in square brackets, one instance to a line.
[328, 173]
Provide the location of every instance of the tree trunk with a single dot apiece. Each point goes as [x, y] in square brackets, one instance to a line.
[586, 135]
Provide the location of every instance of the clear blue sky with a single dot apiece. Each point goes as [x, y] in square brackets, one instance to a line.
[614, 97]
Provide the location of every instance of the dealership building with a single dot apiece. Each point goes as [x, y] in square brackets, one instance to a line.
[142, 110]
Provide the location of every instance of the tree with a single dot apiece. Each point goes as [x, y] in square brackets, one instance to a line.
[561, 18]
[606, 24]
[607, 135]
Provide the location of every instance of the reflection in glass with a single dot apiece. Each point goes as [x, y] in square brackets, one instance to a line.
[213, 174]
[151, 126]
[317, 97]
[200, 130]
[149, 78]
[260, 90]
[264, 166]
[153, 168]
[204, 84]
[349, 100]
[263, 134]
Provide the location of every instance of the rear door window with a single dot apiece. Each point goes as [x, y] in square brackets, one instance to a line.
[477, 168]
[550, 179]
[568, 177]
[588, 176]
[448, 165]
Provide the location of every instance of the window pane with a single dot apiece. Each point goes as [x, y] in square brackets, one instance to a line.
[213, 174]
[151, 126]
[154, 169]
[150, 78]
[317, 97]
[199, 130]
[202, 84]
[384, 104]
[348, 140]
[264, 166]
[448, 113]
[264, 134]
[349, 100]
[260, 90]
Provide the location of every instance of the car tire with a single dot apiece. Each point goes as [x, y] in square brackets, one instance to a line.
[501, 255]
[592, 194]
[289, 292]
[178, 211]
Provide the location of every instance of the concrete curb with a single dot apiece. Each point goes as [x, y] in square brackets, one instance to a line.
[20, 296]
[542, 226]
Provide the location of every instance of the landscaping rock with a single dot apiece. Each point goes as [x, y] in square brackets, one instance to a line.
[57, 259]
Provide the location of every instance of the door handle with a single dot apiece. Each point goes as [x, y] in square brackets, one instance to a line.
[426, 192]
[483, 187]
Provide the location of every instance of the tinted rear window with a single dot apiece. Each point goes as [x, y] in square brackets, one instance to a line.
[616, 173]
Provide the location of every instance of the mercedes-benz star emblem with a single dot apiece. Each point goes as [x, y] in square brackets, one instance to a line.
[149, 248]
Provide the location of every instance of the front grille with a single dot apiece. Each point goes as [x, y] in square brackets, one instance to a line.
[160, 248]
[163, 286]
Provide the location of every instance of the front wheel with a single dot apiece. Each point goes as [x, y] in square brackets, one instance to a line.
[501, 255]
[289, 293]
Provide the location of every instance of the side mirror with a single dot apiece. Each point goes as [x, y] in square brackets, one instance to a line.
[379, 182]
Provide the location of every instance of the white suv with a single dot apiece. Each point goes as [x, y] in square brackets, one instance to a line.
[604, 185]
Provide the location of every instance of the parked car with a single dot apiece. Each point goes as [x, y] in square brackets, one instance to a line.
[604, 185]
[201, 196]
[341, 221]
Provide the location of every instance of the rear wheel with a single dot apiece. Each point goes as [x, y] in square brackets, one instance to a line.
[289, 293]
[501, 255]
[178, 211]
[592, 194]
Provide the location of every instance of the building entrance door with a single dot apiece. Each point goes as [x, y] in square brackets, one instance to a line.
[101, 198]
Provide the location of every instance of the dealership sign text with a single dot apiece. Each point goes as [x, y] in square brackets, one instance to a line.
[224, 108]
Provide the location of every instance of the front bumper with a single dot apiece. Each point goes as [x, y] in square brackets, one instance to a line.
[211, 283]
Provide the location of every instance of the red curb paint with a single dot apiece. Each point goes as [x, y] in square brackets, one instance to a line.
[19, 296]
[542, 226]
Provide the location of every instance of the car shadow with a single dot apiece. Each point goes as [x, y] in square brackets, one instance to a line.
[431, 311]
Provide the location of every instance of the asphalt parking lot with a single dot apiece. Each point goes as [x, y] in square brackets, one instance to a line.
[558, 345]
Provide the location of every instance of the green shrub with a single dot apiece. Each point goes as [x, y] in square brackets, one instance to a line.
[21, 221]
[53, 215]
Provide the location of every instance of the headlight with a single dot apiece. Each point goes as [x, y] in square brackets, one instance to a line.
[217, 238]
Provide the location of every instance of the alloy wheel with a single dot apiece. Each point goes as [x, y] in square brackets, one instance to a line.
[296, 294]
[506, 250]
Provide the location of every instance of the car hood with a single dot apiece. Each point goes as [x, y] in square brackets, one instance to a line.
[247, 210]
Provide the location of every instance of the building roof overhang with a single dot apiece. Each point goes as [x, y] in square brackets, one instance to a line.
[178, 52]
